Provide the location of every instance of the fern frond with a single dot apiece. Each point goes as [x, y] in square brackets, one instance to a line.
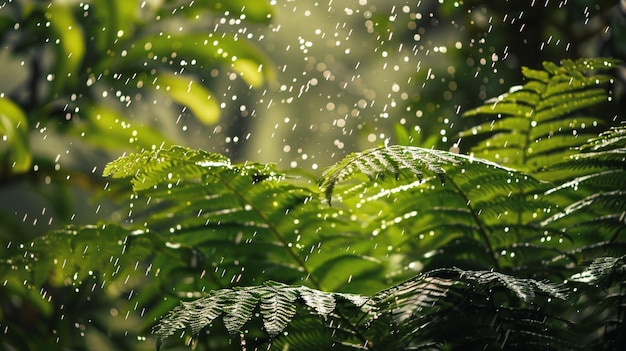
[242, 307]
[524, 289]
[419, 312]
[277, 308]
[612, 139]
[385, 160]
[104, 251]
[479, 201]
[503, 310]
[276, 302]
[600, 295]
[536, 124]
[175, 164]
[398, 160]
[259, 219]
[593, 201]
[441, 280]
[606, 151]
[202, 200]
[602, 270]
[615, 199]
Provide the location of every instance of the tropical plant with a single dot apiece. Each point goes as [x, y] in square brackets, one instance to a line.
[397, 247]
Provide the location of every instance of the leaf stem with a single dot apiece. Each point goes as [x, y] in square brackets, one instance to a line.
[272, 227]
[481, 229]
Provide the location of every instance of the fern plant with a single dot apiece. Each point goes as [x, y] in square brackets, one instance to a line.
[397, 247]
[431, 209]
[515, 312]
[599, 186]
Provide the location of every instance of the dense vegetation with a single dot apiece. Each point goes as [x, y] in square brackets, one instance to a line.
[487, 256]
[516, 241]
[399, 246]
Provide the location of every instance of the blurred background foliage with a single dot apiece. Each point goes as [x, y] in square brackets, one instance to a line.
[300, 84]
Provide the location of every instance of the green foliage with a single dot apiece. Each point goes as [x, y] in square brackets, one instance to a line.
[419, 248]
[82, 249]
[437, 297]
[424, 309]
[90, 60]
[276, 303]
[238, 208]
[438, 209]
[14, 126]
[535, 122]
[470, 208]
[86, 265]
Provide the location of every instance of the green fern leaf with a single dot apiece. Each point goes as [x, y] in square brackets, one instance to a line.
[437, 284]
[470, 303]
[480, 201]
[600, 291]
[417, 310]
[594, 199]
[245, 217]
[194, 315]
[204, 201]
[277, 308]
[601, 270]
[241, 310]
[323, 304]
[535, 124]
[277, 304]
[523, 288]
[397, 160]
[175, 164]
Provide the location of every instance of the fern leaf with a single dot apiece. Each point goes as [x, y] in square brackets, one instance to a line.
[364, 303]
[323, 304]
[438, 283]
[202, 200]
[595, 198]
[608, 146]
[601, 269]
[523, 288]
[176, 163]
[414, 295]
[600, 289]
[195, 315]
[480, 202]
[277, 308]
[394, 160]
[244, 217]
[240, 311]
[277, 304]
[533, 125]
[433, 304]
[420, 311]
[612, 139]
